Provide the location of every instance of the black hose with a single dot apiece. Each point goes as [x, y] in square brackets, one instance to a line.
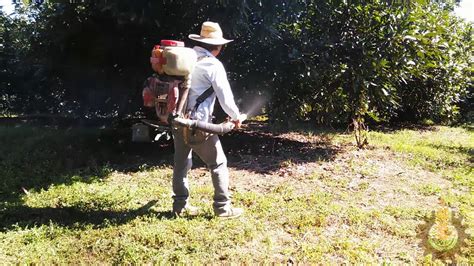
[220, 129]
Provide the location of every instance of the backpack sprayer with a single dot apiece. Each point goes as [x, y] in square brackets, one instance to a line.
[168, 91]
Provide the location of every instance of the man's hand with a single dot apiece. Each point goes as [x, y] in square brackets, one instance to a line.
[238, 122]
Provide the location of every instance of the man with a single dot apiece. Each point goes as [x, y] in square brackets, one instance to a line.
[208, 72]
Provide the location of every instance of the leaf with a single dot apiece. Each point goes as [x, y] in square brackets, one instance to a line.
[410, 38]
[374, 116]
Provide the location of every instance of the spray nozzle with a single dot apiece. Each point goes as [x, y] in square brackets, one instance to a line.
[242, 117]
[238, 122]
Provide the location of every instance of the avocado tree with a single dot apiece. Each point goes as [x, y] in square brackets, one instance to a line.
[330, 62]
[374, 60]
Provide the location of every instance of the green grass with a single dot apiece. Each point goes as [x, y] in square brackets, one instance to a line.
[443, 150]
[99, 213]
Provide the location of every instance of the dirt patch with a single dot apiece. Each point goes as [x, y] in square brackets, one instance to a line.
[259, 161]
[265, 153]
[375, 181]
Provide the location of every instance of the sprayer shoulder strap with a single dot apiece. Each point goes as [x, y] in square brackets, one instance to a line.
[201, 98]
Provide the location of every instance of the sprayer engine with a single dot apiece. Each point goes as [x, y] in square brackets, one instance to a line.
[167, 89]
[161, 93]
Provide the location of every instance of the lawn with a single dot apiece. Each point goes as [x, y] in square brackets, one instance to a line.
[89, 196]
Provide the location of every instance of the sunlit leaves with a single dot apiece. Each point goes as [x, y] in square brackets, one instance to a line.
[379, 59]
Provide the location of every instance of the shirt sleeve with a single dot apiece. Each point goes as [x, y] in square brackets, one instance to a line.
[224, 93]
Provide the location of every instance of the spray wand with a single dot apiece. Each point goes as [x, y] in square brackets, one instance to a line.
[219, 129]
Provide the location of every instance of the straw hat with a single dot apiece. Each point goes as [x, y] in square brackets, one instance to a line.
[211, 33]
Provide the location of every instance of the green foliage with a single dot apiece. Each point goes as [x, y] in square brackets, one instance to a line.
[340, 59]
[324, 61]
[90, 58]
[378, 60]
[438, 69]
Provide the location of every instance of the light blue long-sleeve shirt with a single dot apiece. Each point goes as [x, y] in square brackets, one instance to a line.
[208, 72]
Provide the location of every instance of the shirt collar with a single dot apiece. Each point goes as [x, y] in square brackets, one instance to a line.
[202, 52]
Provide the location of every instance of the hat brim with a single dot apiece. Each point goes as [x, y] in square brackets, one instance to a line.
[212, 41]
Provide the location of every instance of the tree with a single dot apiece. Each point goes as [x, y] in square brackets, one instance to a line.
[321, 61]
[350, 62]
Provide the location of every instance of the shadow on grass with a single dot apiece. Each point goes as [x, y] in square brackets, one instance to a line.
[260, 151]
[394, 127]
[26, 217]
[459, 150]
[37, 157]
